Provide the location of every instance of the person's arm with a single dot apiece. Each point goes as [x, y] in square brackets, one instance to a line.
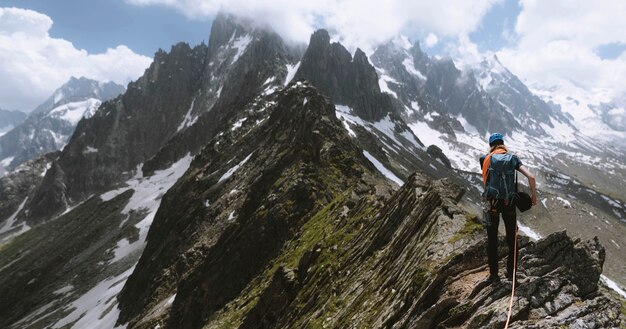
[531, 182]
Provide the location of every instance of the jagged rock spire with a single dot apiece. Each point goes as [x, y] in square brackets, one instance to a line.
[347, 80]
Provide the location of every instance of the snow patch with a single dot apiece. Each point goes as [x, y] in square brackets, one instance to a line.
[90, 149]
[408, 65]
[238, 124]
[60, 140]
[611, 201]
[348, 128]
[460, 153]
[565, 203]
[48, 166]
[387, 127]
[291, 72]
[170, 300]
[232, 170]
[241, 44]
[97, 308]
[5, 129]
[58, 96]
[35, 314]
[147, 196]
[188, 120]
[344, 114]
[75, 111]
[528, 231]
[123, 249]
[611, 284]
[10, 222]
[386, 172]
[63, 290]
[6, 161]
[382, 83]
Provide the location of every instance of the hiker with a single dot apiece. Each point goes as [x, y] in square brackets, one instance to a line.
[500, 195]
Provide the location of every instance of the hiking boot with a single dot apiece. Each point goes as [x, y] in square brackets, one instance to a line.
[493, 280]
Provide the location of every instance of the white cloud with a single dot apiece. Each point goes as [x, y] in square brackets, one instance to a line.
[431, 40]
[33, 64]
[556, 42]
[357, 22]
[465, 52]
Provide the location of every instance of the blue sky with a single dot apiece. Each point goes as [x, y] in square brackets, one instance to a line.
[499, 20]
[98, 25]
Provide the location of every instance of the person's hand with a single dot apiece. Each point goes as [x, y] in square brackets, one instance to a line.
[534, 199]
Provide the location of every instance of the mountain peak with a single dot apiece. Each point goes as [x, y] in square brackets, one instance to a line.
[319, 37]
[79, 89]
[346, 79]
[360, 57]
[226, 28]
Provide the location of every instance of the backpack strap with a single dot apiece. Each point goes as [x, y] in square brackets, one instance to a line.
[487, 163]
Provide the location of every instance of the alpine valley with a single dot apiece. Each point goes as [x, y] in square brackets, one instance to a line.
[252, 183]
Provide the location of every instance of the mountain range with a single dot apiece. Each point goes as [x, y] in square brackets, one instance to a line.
[49, 126]
[251, 183]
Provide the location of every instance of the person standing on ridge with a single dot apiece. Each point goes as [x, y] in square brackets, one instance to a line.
[500, 182]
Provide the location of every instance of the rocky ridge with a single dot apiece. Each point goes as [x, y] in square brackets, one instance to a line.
[294, 212]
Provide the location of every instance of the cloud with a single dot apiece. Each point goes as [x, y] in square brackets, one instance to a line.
[557, 42]
[431, 40]
[33, 64]
[357, 22]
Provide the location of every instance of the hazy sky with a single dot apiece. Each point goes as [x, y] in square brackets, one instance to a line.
[43, 43]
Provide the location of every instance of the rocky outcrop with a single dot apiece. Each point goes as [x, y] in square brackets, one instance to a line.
[347, 80]
[438, 154]
[18, 184]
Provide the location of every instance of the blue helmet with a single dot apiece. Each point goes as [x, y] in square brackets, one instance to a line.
[495, 137]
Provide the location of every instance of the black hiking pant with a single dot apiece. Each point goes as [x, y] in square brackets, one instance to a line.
[510, 223]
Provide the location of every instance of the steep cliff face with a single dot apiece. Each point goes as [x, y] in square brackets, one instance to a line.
[347, 80]
[243, 64]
